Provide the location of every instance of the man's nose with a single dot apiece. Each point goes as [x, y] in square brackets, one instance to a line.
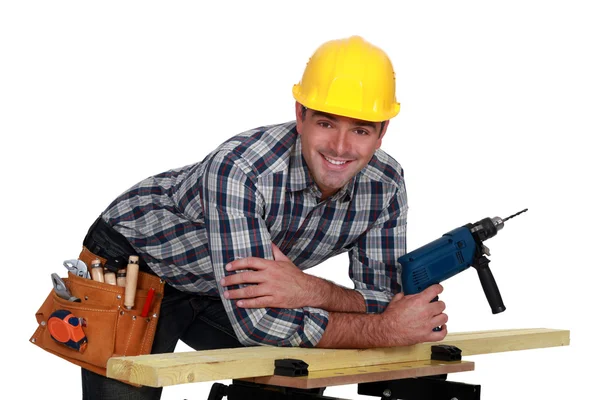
[340, 143]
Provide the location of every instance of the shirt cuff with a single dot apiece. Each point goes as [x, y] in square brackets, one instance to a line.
[376, 302]
[315, 322]
[301, 327]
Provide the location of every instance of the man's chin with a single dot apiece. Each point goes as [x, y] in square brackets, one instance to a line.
[333, 187]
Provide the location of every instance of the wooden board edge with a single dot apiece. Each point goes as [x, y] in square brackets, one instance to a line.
[546, 339]
[125, 369]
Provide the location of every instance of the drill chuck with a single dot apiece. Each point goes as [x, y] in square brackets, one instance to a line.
[498, 223]
[489, 227]
[486, 228]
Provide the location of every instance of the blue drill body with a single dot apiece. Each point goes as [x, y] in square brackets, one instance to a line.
[437, 261]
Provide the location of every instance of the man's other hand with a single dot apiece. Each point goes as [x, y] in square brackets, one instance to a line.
[271, 283]
[413, 317]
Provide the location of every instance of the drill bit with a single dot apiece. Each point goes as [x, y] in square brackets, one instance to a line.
[514, 215]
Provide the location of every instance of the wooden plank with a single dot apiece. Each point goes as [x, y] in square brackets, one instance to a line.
[199, 366]
[371, 373]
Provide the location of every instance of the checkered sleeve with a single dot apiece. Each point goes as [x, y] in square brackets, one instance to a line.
[374, 266]
[234, 209]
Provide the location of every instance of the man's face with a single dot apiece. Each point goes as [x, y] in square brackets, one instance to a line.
[336, 148]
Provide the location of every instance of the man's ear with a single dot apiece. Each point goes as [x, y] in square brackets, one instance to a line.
[299, 118]
[383, 130]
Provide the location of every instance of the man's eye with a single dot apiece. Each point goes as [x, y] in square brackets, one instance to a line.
[362, 132]
[324, 124]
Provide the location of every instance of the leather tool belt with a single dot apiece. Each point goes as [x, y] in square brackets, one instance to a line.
[109, 328]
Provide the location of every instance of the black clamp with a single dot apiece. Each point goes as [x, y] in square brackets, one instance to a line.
[445, 352]
[291, 367]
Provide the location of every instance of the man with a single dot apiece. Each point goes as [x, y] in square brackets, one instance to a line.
[232, 234]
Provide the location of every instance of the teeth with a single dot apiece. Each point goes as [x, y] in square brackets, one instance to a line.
[335, 162]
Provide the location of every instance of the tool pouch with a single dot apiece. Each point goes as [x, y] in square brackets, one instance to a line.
[110, 329]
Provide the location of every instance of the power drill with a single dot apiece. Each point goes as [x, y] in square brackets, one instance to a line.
[454, 252]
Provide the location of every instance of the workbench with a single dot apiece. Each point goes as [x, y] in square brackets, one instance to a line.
[388, 373]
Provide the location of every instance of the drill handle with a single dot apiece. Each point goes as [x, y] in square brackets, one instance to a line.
[488, 283]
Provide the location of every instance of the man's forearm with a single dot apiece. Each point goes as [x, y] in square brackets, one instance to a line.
[331, 297]
[407, 320]
[356, 331]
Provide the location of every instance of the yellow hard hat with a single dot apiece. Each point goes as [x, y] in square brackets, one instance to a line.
[349, 77]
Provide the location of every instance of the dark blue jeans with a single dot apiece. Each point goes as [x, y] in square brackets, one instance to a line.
[199, 321]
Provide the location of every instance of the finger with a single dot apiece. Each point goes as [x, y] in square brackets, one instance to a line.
[259, 302]
[398, 296]
[439, 320]
[439, 335]
[242, 277]
[248, 263]
[277, 254]
[432, 291]
[244, 293]
[437, 307]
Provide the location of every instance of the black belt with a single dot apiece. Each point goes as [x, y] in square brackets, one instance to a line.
[104, 241]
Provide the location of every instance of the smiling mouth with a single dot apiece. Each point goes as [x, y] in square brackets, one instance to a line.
[335, 162]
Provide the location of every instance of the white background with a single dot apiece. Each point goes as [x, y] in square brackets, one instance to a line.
[499, 112]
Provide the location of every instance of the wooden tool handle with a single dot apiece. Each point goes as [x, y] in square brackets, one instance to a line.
[131, 281]
[110, 278]
[121, 277]
[97, 271]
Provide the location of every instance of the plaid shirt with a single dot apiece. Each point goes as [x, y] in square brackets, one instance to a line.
[254, 189]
